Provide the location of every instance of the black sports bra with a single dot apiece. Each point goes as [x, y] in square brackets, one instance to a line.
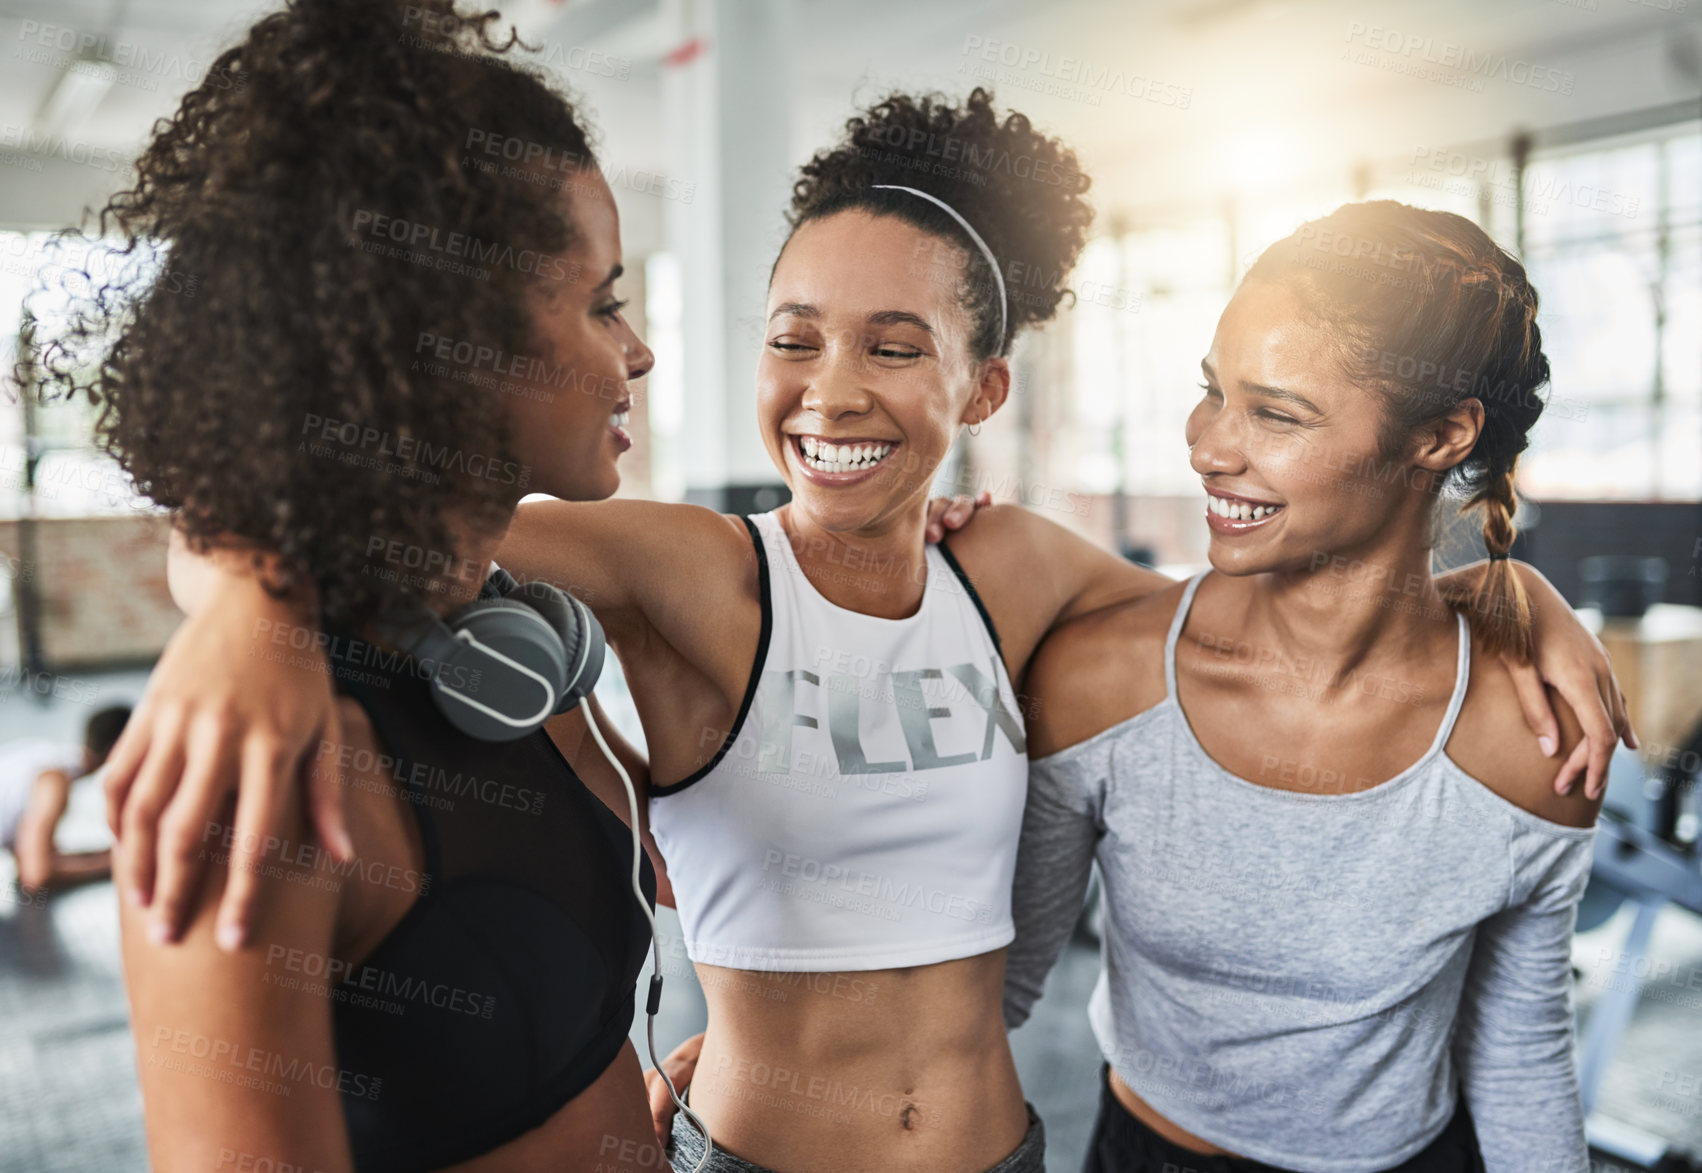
[507, 987]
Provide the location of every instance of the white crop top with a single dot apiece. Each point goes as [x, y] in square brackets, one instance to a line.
[863, 812]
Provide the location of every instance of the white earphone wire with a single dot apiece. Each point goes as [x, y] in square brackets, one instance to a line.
[549, 705]
[655, 937]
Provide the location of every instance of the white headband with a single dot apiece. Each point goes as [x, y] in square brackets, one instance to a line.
[998, 277]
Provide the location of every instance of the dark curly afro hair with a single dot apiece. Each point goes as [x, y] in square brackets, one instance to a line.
[1020, 190]
[284, 405]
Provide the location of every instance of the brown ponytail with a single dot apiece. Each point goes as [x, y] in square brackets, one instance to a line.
[1498, 608]
[1433, 313]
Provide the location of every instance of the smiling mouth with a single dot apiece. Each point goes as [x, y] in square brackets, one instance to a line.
[621, 415]
[842, 457]
[1239, 512]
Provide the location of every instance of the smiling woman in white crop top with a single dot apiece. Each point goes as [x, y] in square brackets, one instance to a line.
[1339, 894]
[837, 756]
[906, 729]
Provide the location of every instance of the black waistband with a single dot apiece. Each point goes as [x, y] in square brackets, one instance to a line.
[1122, 1144]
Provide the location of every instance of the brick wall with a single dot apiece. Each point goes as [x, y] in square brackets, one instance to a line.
[101, 585]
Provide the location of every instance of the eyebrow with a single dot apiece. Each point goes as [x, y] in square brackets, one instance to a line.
[800, 309]
[900, 318]
[614, 274]
[1278, 393]
[1285, 396]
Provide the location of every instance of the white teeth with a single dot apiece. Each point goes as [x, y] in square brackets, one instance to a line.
[1238, 510]
[842, 457]
[619, 418]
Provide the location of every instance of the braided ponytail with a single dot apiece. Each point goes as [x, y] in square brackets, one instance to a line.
[1498, 608]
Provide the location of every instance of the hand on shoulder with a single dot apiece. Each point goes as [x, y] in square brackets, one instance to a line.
[1492, 743]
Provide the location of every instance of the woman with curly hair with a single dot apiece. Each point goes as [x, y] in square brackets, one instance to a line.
[836, 746]
[455, 987]
[1339, 898]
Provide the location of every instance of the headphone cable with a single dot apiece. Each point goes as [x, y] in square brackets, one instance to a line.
[655, 998]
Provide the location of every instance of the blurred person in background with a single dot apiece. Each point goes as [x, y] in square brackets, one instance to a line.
[36, 781]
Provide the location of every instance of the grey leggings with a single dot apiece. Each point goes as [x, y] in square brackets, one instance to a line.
[1027, 1157]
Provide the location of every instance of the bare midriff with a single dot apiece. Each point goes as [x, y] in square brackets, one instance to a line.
[861, 1072]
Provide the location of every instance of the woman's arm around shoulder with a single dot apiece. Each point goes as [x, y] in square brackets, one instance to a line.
[1098, 670]
[1033, 574]
[1089, 675]
[1489, 743]
[625, 558]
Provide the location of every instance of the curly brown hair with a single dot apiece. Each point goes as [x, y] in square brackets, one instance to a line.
[286, 405]
[1020, 190]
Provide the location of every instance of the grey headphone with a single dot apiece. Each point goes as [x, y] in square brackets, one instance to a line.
[510, 660]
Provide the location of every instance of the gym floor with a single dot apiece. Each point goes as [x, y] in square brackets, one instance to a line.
[69, 1101]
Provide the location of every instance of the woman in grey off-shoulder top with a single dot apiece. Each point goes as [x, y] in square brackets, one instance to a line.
[1339, 886]
[1301, 976]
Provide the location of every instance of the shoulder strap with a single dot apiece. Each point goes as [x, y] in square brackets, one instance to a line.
[756, 525]
[1176, 625]
[388, 710]
[969, 589]
[1462, 674]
